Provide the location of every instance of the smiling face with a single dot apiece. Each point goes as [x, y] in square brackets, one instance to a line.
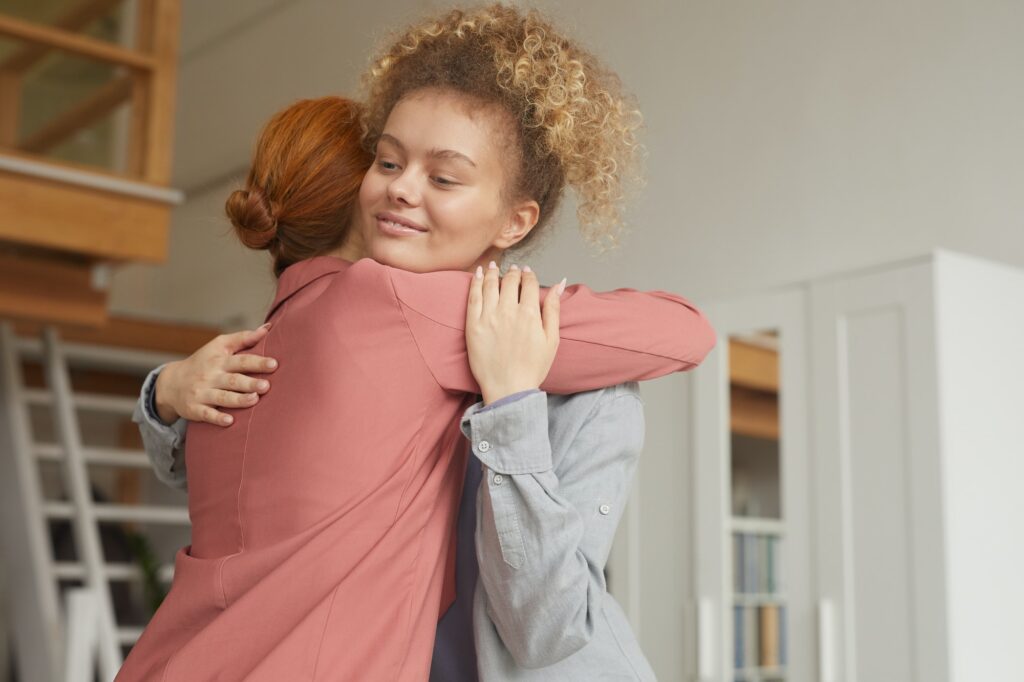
[435, 197]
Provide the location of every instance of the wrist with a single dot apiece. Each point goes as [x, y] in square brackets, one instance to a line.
[494, 394]
[162, 394]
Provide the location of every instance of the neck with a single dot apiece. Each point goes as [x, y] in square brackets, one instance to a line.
[352, 248]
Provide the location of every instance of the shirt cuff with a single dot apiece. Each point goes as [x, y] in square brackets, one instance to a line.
[508, 399]
[149, 415]
[512, 438]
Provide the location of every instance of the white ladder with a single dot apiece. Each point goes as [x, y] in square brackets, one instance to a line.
[44, 650]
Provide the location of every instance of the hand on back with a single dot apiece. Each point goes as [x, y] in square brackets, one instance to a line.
[511, 343]
[214, 376]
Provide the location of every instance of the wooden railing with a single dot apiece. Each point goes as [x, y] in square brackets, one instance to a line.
[147, 82]
[61, 219]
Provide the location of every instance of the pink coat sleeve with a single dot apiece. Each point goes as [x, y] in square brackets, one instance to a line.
[607, 338]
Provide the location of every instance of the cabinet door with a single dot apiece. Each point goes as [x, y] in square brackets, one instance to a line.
[753, 611]
[876, 462]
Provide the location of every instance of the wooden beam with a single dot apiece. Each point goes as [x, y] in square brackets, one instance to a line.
[49, 291]
[162, 20]
[74, 20]
[84, 114]
[96, 224]
[753, 367]
[75, 43]
[133, 333]
[10, 107]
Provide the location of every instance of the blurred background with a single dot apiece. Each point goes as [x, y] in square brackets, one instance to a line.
[832, 496]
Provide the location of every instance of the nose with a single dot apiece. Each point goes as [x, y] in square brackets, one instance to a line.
[402, 189]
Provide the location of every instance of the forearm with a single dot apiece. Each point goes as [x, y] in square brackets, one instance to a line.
[164, 443]
[543, 593]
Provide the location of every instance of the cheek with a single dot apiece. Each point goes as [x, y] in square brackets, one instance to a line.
[465, 215]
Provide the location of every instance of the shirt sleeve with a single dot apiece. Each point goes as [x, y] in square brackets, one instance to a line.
[509, 399]
[543, 541]
[607, 338]
[164, 443]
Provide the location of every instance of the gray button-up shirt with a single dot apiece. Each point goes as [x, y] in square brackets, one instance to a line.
[550, 478]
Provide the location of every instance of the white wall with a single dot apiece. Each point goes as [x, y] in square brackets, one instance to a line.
[787, 140]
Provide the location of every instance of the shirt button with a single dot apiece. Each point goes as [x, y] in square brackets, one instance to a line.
[498, 478]
[483, 446]
[605, 509]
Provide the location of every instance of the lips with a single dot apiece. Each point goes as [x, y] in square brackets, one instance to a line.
[398, 223]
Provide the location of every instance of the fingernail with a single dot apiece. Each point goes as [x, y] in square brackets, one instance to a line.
[263, 385]
[479, 272]
[272, 364]
[526, 268]
[492, 266]
[266, 326]
[227, 419]
[513, 267]
[561, 286]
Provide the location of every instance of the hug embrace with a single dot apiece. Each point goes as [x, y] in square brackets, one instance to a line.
[419, 463]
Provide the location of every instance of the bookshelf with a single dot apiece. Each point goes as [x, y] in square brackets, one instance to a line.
[756, 530]
[884, 475]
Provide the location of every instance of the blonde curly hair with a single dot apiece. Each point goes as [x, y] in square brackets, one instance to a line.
[574, 123]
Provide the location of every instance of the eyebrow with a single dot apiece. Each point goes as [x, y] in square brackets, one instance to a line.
[435, 153]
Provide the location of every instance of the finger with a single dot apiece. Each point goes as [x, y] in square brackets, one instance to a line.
[509, 298]
[249, 364]
[490, 287]
[529, 295]
[240, 383]
[205, 413]
[245, 339]
[215, 397]
[552, 311]
[476, 296]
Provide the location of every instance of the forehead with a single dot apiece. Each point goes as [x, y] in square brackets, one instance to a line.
[440, 119]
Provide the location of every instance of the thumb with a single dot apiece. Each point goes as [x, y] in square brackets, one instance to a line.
[552, 310]
[246, 338]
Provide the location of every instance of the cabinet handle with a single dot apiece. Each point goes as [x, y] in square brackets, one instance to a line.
[705, 639]
[826, 641]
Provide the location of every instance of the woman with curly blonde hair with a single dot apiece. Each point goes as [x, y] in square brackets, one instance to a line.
[333, 559]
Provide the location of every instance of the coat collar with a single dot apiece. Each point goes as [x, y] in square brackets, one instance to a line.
[298, 275]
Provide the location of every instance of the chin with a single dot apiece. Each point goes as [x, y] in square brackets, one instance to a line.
[398, 255]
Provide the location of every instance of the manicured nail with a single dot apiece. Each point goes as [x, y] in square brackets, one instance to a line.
[479, 272]
[513, 267]
[272, 364]
[526, 268]
[492, 266]
[561, 286]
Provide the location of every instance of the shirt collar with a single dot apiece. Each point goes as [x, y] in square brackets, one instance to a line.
[297, 276]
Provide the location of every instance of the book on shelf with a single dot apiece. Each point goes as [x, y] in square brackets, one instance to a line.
[755, 563]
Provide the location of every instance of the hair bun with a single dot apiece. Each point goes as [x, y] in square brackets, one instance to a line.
[254, 217]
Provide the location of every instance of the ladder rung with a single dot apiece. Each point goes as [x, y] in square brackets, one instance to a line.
[52, 452]
[122, 512]
[99, 357]
[128, 635]
[95, 402]
[70, 570]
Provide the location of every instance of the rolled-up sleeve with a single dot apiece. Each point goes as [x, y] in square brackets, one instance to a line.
[164, 443]
[542, 543]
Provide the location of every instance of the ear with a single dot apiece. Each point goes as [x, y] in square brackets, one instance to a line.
[522, 219]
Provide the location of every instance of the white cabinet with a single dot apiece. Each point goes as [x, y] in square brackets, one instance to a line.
[901, 476]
